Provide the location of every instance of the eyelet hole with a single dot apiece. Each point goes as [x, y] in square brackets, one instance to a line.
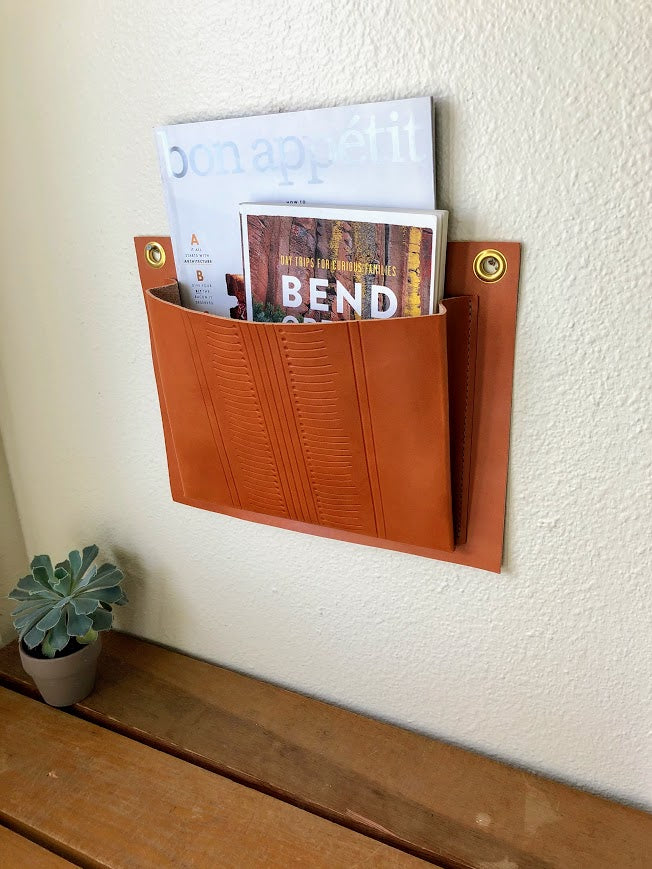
[489, 266]
[155, 254]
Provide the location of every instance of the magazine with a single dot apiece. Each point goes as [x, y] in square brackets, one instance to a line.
[378, 154]
[307, 264]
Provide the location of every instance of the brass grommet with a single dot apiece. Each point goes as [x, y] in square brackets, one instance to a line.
[489, 265]
[155, 254]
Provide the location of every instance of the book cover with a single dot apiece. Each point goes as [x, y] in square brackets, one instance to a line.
[314, 264]
[378, 154]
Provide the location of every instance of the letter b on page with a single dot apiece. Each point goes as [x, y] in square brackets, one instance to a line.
[291, 291]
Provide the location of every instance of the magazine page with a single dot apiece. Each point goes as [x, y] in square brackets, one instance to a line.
[378, 154]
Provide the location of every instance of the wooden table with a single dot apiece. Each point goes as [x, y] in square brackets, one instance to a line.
[172, 762]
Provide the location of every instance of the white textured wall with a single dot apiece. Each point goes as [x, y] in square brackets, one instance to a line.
[544, 116]
[13, 559]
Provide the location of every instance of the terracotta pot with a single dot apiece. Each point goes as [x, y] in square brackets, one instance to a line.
[63, 681]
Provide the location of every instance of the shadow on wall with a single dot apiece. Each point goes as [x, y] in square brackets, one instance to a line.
[13, 555]
[151, 599]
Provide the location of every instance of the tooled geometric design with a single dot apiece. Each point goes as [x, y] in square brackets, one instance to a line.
[278, 406]
[234, 393]
[324, 435]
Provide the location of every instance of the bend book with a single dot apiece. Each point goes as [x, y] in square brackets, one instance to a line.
[377, 154]
[314, 264]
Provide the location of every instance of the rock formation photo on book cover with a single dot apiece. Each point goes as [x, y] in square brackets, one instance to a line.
[302, 268]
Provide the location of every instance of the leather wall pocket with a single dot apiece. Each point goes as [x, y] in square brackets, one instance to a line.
[342, 426]
[372, 431]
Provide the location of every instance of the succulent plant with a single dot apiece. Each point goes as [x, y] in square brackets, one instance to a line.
[73, 599]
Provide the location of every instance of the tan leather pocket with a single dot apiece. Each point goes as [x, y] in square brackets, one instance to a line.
[343, 425]
[390, 433]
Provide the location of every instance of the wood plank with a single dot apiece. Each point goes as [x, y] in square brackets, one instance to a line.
[434, 800]
[17, 852]
[105, 800]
